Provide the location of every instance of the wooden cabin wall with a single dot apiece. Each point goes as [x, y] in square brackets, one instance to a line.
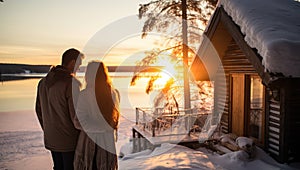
[234, 61]
[291, 102]
[283, 121]
[282, 115]
[221, 106]
[293, 119]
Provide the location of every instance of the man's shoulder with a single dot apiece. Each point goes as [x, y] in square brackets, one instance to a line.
[41, 81]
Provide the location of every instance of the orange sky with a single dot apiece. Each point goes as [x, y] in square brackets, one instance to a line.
[39, 31]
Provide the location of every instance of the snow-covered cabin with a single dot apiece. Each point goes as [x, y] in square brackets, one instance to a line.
[256, 72]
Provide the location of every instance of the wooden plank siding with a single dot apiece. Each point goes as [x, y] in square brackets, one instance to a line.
[252, 55]
[290, 101]
[225, 122]
[221, 106]
[234, 61]
[274, 127]
[283, 121]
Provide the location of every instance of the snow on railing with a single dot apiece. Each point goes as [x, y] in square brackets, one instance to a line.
[161, 122]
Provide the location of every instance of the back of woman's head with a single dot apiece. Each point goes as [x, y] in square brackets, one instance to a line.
[102, 75]
[90, 74]
[97, 75]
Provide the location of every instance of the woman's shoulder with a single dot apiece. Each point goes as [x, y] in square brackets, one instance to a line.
[116, 93]
[114, 90]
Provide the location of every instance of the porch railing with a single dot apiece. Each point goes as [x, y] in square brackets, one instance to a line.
[160, 122]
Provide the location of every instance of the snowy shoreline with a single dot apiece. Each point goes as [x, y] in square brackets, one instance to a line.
[21, 140]
[22, 147]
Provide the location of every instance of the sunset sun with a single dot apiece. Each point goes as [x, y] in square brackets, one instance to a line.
[168, 72]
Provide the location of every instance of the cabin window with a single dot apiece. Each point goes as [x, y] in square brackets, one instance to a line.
[256, 108]
[248, 106]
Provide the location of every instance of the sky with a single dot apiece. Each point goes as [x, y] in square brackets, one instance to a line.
[39, 31]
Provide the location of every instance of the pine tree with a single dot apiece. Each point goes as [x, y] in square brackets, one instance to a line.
[165, 16]
[184, 21]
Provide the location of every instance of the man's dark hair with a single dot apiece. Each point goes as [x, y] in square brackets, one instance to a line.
[69, 55]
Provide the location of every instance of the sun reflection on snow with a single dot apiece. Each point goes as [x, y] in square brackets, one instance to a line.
[179, 158]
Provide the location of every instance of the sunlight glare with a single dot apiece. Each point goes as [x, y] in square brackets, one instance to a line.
[162, 80]
[167, 73]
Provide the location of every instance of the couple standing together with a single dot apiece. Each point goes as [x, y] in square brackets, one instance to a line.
[79, 127]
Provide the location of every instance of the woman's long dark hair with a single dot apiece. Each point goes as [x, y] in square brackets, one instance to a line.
[103, 93]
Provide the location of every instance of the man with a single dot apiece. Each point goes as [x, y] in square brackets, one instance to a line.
[56, 96]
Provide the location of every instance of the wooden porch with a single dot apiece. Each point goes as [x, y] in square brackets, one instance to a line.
[176, 127]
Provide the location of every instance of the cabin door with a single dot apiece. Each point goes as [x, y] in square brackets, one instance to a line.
[238, 104]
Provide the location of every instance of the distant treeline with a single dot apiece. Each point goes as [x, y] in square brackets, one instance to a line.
[26, 68]
[7, 71]
[23, 68]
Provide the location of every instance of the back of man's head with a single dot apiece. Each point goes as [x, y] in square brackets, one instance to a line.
[69, 55]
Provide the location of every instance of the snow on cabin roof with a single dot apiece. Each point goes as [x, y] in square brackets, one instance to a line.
[273, 28]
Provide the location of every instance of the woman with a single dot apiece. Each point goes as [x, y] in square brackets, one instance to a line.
[98, 116]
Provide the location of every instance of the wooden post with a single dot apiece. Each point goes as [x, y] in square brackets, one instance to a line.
[187, 103]
[144, 144]
[144, 120]
[139, 142]
[134, 148]
[136, 116]
[153, 127]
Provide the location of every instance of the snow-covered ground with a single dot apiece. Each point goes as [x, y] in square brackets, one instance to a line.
[170, 156]
[22, 148]
[21, 142]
